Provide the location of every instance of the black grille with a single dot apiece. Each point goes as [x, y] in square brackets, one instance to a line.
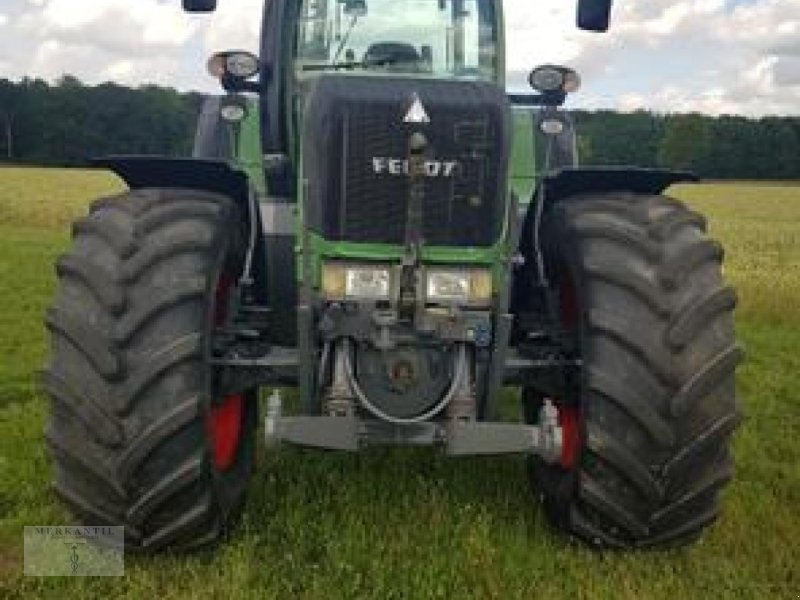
[350, 122]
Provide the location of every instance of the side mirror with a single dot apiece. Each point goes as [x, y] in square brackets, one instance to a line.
[594, 15]
[199, 6]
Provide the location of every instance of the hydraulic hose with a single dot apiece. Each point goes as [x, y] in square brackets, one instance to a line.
[458, 375]
[252, 207]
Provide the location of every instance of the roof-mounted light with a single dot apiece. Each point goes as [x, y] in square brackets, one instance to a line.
[549, 79]
[233, 63]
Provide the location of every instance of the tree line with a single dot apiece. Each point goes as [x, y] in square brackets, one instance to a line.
[67, 123]
[725, 147]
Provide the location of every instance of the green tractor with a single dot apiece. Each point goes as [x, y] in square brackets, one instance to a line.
[371, 218]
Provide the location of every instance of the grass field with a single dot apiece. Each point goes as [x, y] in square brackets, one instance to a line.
[407, 523]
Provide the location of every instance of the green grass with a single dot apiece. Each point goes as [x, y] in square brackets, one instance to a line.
[760, 229]
[407, 523]
[50, 198]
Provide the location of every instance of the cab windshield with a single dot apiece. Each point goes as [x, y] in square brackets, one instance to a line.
[437, 38]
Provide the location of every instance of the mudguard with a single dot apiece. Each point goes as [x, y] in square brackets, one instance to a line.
[598, 180]
[595, 180]
[565, 184]
[198, 174]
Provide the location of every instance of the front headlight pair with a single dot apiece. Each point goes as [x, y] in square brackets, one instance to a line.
[461, 286]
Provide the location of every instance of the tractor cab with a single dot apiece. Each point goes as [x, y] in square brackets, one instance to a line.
[442, 39]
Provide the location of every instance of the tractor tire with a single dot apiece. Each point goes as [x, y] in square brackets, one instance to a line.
[135, 437]
[646, 439]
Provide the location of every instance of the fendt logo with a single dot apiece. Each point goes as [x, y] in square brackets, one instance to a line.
[417, 112]
[382, 165]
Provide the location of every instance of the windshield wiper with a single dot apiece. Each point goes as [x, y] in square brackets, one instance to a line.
[345, 38]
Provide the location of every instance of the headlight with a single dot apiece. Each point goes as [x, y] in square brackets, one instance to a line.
[366, 282]
[459, 286]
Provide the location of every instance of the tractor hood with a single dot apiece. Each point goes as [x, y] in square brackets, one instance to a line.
[357, 137]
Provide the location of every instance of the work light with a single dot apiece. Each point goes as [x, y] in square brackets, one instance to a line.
[547, 78]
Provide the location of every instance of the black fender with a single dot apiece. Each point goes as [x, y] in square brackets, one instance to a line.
[594, 180]
[191, 173]
[198, 174]
[530, 273]
[598, 180]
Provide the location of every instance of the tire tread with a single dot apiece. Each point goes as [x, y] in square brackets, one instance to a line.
[652, 462]
[127, 433]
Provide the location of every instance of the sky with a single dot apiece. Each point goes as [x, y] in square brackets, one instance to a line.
[710, 56]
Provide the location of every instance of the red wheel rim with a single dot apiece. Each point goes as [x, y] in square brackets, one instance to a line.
[569, 420]
[569, 416]
[224, 420]
[225, 430]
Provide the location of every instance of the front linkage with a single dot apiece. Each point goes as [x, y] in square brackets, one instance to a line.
[459, 433]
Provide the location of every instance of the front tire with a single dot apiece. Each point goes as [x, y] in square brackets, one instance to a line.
[653, 419]
[136, 437]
